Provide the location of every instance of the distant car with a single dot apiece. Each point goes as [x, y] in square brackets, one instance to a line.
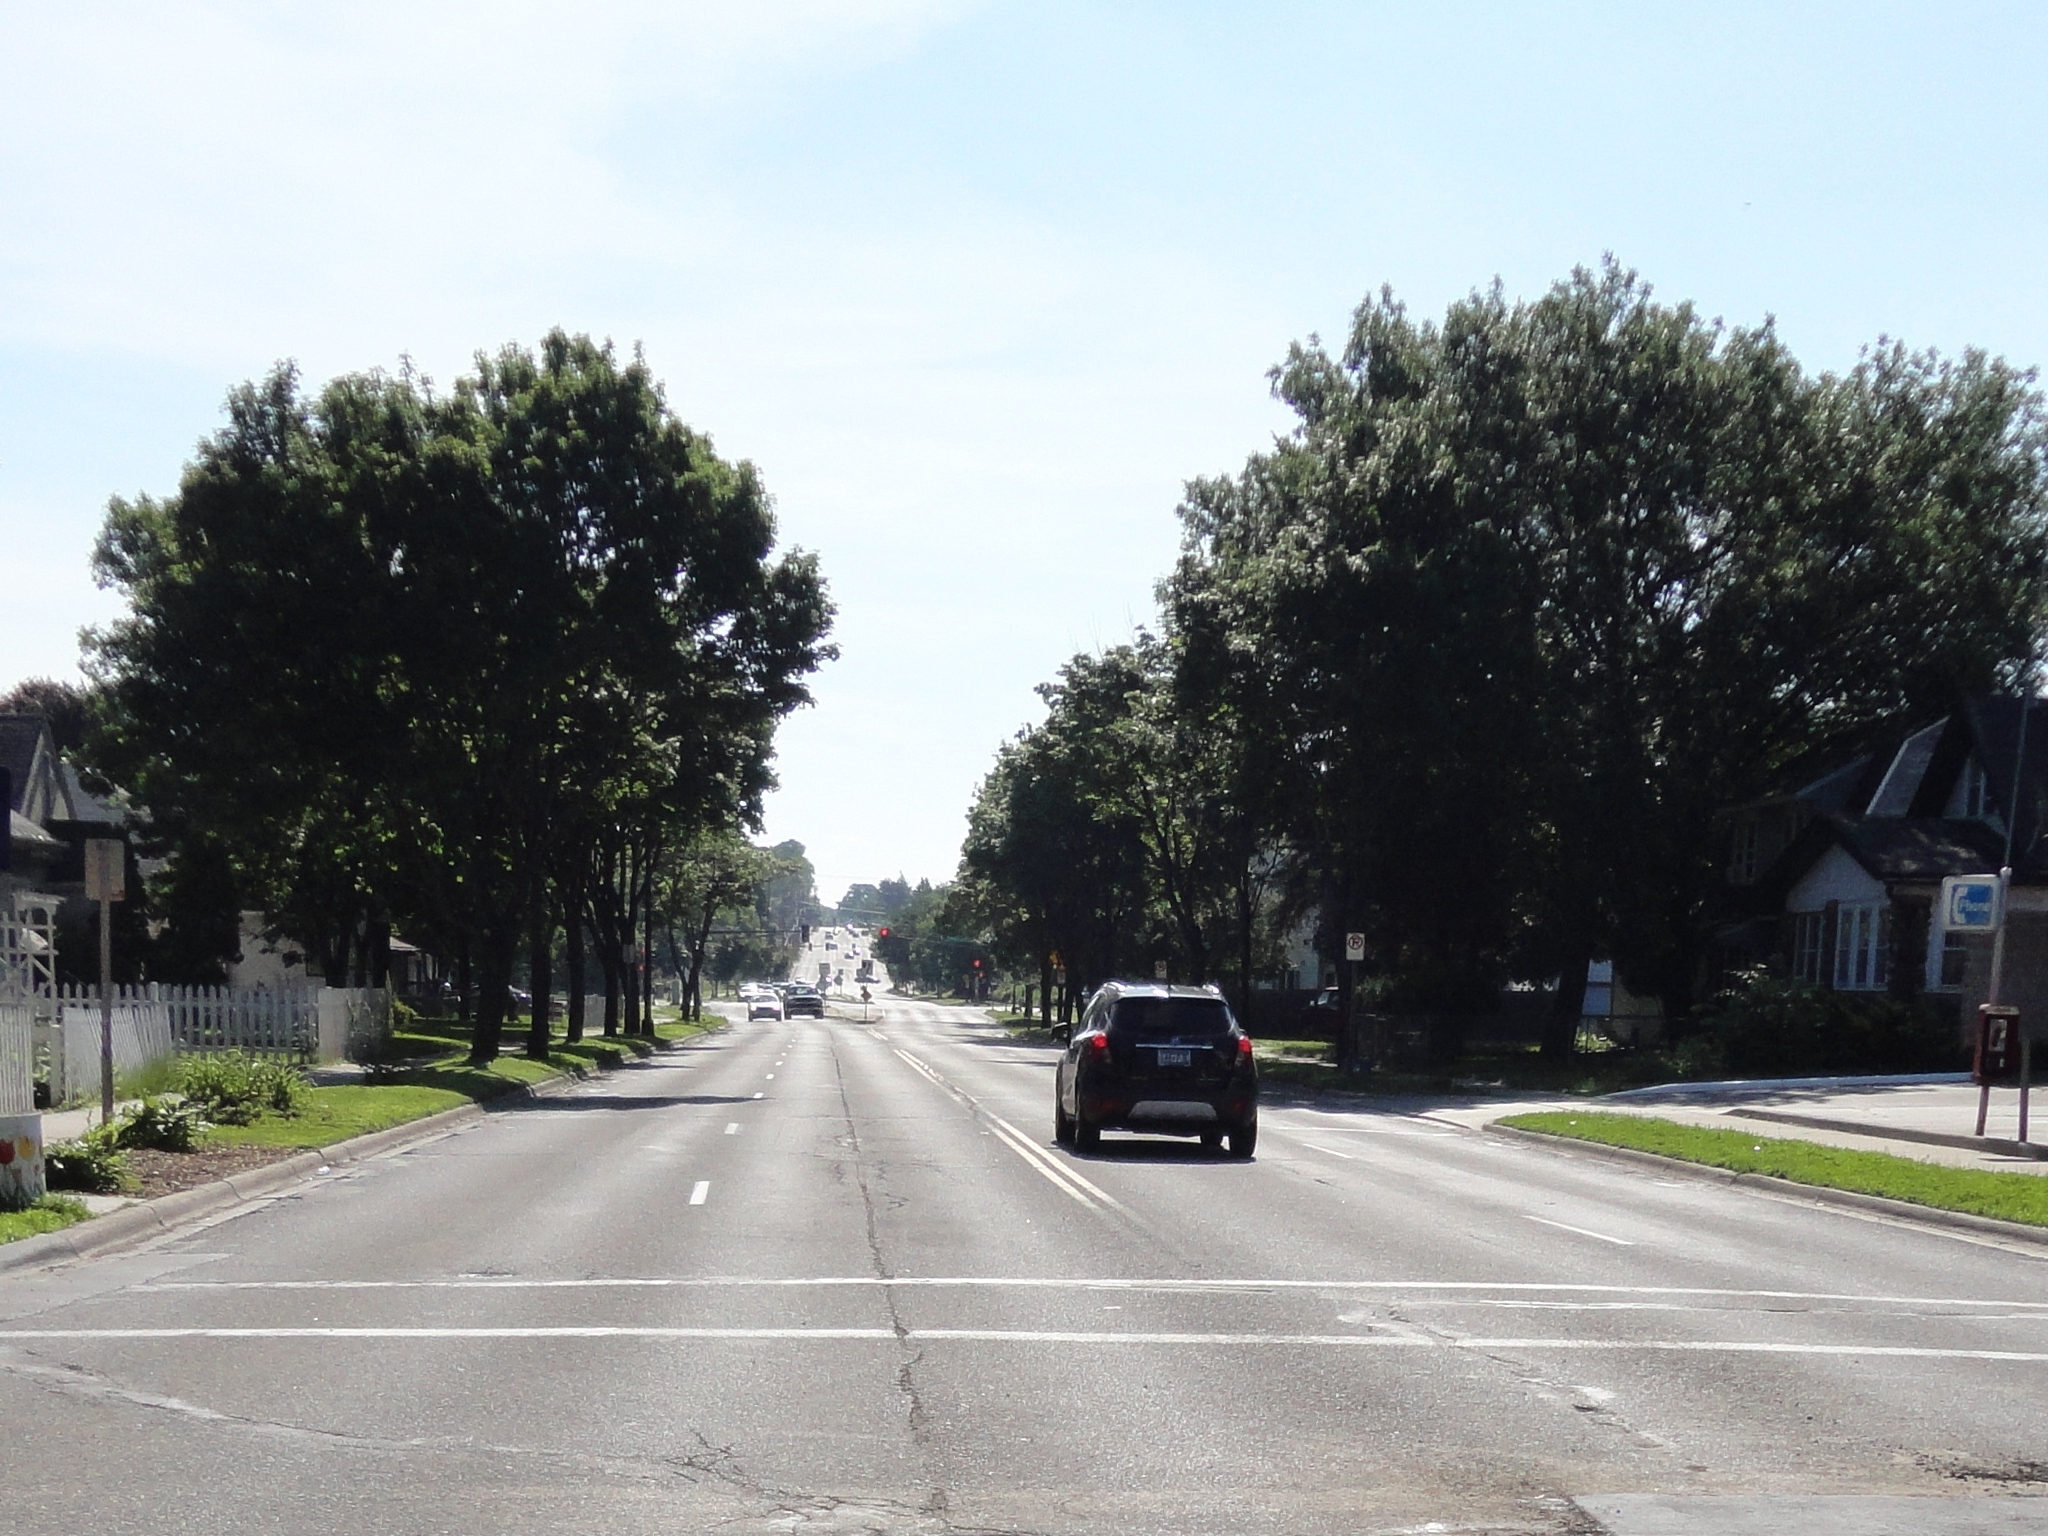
[1158, 1059]
[803, 999]
[764, 1004]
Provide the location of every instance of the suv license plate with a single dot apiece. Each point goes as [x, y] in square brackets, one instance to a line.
[1173, 1058]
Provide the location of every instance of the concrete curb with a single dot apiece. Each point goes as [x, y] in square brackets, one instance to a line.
[1997, 1144]
[166, 1213]
[1815, 1194]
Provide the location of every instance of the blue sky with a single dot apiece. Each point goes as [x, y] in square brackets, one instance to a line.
[977, 286]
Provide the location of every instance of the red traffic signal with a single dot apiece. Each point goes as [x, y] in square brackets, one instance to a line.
[881, 933]
[977, 965]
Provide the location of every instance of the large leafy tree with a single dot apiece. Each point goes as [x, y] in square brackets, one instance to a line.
[413, 655]
[1531, 593]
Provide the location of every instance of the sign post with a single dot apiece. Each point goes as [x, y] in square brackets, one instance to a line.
[106, 882]
[1976, 904]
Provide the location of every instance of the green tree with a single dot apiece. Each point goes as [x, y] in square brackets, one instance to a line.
[412, 654]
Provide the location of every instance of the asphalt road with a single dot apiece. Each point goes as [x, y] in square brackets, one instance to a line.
[826, 1277]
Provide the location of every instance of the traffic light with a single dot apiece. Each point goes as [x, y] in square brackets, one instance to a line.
[881, 933]
[805, 932]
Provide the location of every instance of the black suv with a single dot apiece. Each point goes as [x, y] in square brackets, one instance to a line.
[1168, 1060]
[802, 999]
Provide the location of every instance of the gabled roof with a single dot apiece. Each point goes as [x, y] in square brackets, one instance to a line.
[30, 758]
[20, 735]
[1902, 779]
[1916, 848]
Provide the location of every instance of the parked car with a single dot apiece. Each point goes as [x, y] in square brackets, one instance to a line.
[803, 999]
[1159, 1059]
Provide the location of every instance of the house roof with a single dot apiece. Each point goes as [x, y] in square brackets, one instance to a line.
[19, 737]
[1918, 847]
[1908, 768]
[26, 833]
[85, 805]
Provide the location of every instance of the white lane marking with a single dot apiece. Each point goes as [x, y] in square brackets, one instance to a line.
[1619, 1242]
[1055, 1172]
[732, 1128]
[700, 1191]
[1460, 1288]
[1048, 1336]
[1328, 1151]
[757, 1095]
[771, 1077]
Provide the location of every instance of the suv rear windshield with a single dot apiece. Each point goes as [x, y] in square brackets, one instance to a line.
[1169, 1018]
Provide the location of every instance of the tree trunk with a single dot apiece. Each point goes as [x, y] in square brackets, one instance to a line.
[1247, 917]
[572, 934]
[494, 985]
[1561, 1029]
[647, 967]
[464, 975]
[541, 973]
[608, 962]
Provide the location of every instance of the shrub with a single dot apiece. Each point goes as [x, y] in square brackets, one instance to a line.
[165, 1123]
[92, 1163]
[234, 1087]
[1774, 1026]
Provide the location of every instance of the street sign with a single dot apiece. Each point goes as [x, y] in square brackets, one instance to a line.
[1159, 969]
[106, 870]
[1969, 904]
[1354, 946]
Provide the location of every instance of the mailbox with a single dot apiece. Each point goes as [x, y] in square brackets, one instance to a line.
[1997, 1059]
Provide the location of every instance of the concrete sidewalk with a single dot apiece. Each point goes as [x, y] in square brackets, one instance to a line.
[1928, 1118]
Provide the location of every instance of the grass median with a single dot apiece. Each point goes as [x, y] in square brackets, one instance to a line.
[52, 1213]
[2021, 1197]
[429, 1074]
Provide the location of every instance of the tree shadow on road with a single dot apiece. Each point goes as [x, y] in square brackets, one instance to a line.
[583, 1101]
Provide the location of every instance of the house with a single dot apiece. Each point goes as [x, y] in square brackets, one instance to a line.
[1835, 881]
[36, 797]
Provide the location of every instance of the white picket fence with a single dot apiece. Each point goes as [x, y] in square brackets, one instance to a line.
[155, 1021]
[283, 1022]
[142, 1034]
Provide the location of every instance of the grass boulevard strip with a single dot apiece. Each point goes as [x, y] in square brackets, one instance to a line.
[2015, 1197]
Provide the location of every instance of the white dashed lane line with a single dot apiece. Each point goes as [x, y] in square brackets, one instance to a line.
[1619, 1242]
[700, 1192]
[732, 1128]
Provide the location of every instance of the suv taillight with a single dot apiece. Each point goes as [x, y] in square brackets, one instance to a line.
[1244, 1048]
[1099, 1044]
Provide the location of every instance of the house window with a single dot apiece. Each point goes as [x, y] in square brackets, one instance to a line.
[1806, 936]
[1742, 858]
[1976, 792]
[1949, 959]
[1862, 940]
